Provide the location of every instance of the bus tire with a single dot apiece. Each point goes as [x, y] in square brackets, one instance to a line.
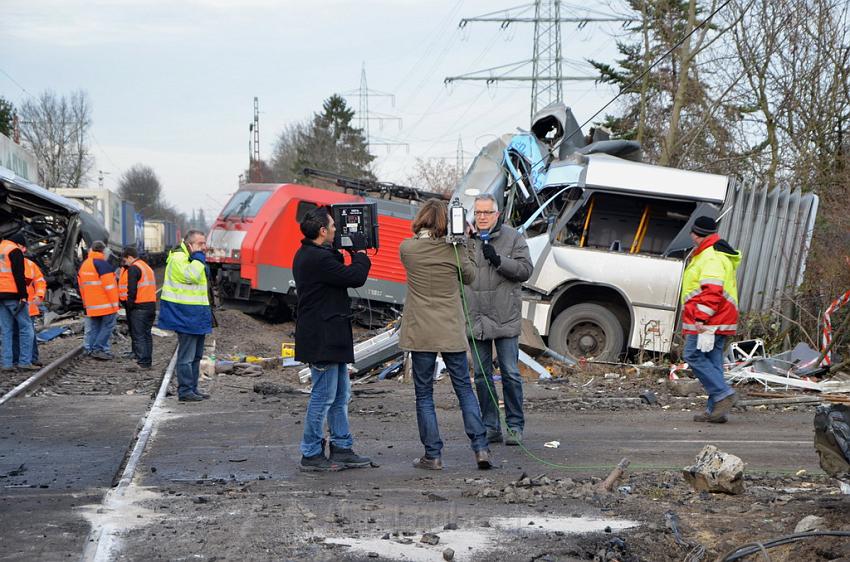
[587, 330]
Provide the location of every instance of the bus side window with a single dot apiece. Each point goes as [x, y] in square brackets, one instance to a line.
[304, 207]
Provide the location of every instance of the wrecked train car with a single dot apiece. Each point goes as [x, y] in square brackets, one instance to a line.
[609, 235]
[57, 232]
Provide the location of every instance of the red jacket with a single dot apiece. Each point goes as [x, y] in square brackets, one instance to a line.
[710, 288]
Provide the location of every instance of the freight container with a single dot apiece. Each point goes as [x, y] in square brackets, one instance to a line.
[160, 237]
[116, 215]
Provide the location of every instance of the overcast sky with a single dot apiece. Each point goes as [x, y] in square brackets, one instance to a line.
[172, 82]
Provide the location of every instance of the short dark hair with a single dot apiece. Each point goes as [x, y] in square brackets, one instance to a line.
[98, 246]
[130, 252]
[314, 220]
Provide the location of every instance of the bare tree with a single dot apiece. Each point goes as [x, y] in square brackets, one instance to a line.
[285, 153]
[55, 128]
[436, 176]
[140, 185]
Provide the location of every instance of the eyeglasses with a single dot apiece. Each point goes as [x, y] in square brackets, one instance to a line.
[479, 213]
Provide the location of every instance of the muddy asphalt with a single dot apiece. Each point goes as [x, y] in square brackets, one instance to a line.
[219, 479]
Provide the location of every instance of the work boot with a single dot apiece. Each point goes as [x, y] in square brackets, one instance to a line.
[722, 409]
[318, 463]
[426, 463]
[203, 395]
[514, 437]
[101, 355]
[7, 369]
[29, 367]
[482, 457]
[190, 398]
[348, 458]
[705, 417]
[494, 436]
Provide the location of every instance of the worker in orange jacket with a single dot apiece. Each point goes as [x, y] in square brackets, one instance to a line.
[13, 304]
[99, 291]
[36, 291]
[137, 291]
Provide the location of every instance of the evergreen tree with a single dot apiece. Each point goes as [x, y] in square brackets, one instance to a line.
[7, 117]
[331, 143]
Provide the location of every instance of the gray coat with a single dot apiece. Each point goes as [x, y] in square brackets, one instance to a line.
[433, 317]
[494, 296]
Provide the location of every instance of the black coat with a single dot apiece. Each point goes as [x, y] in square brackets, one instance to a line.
[323, 316]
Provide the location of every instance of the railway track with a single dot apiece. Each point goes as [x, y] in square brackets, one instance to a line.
[71, 373]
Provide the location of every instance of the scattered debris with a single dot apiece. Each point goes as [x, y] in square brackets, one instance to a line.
[448, 554]
[649, 397]
[272, 389]
[608, 484]
[552, 444]
[810, 523]
[430, 538]
[832, 440]
[715, 471]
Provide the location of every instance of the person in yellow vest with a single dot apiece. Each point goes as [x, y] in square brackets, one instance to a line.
[137, 291]
[36, 290]
[184, 307]
[99, 291]
[14, 315]
[710, 314]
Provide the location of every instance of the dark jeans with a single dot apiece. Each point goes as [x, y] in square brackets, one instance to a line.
[507, 352]
[190, 349]
[426, 416]
[329, 399]
[141, 321]
[16, 342]
[15, 317]
[708, 367]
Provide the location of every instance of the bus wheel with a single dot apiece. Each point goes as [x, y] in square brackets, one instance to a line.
[587, 330]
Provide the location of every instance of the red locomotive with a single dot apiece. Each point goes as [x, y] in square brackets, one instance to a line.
[253, 241]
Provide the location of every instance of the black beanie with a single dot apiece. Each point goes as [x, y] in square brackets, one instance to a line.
[704, 226]
[18, 239]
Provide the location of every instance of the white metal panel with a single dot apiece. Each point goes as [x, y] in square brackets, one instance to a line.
[610, 172]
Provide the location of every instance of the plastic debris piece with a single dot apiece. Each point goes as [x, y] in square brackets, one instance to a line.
[552, 444]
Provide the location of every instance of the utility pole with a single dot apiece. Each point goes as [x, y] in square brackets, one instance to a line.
[459, 157]
[255, 168]
[100, 174]
[546, 76]
[364, 116]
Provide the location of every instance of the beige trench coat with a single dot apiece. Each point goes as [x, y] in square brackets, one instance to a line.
[433, 317]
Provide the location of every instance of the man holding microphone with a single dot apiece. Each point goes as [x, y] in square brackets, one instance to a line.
[503, 263]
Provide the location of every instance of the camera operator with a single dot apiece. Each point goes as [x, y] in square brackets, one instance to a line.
[502, 263]
[433, 322]
[323, 338]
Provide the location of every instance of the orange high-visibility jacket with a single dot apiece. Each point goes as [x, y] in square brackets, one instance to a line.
[145, 289]
[36, 285]
[7, 279]
[99, 292]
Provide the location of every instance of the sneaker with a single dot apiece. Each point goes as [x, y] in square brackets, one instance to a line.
[427, 463]
[145, 367]
[7, 369]
[203, 395]
[102, 355]
[482, 458]
[318, 463]
[29, 367]
[494, 436]
[514, 437]
[347, 458]
[190, 398]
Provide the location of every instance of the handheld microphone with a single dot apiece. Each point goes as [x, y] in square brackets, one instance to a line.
[485, 236]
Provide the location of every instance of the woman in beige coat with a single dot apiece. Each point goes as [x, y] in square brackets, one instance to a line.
[433, 322]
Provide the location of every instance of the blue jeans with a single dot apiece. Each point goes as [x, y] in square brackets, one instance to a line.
[98, 332]
[190, 349]
[329, 399]
[15, 317]
[16, 350]
[424, 363]
[507, 352]
[708, 367]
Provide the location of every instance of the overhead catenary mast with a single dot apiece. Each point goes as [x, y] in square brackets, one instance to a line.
[546, 76]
